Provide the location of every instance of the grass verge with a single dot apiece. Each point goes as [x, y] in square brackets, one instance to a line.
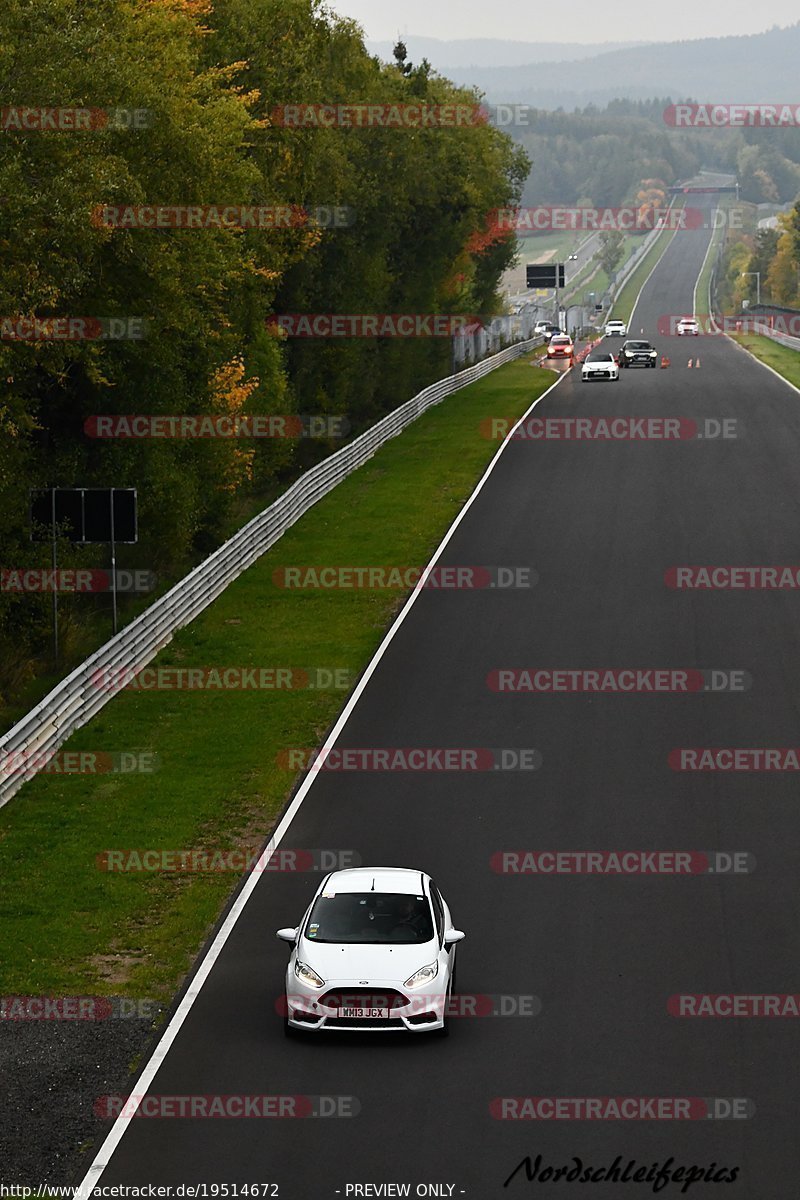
[782, 359]
[70, 927]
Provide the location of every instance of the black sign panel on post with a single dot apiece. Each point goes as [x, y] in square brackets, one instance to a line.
[85, 514]
[544, 275]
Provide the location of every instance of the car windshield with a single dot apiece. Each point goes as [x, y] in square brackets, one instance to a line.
[602, 358]
[638, 345]
[361, 918]
[560, 341]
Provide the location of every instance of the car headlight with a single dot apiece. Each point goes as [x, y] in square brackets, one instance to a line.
[304, 972]
[423, 975]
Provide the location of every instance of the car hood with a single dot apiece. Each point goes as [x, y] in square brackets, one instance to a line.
[373, 963]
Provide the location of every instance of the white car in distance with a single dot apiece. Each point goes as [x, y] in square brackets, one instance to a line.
[616, 329]
[375, 951]
[688, 326]
[602, 365]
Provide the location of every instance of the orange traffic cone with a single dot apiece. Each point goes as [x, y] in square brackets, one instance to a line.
[664, 360]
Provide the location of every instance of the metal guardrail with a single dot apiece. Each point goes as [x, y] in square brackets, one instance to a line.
[32, 742]
[492, 337]
[785, 339]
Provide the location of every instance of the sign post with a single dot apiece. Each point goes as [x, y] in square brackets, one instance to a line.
[85, 516]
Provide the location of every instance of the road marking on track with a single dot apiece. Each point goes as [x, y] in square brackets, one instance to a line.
[210, 957]
[703, 266]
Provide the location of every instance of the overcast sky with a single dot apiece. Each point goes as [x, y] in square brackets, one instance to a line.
[577, 20]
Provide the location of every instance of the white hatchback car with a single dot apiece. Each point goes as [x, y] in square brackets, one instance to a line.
[688, 326]
[616, 329]
[601, 365]
[374, 951]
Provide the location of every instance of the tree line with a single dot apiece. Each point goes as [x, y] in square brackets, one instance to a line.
[209, 77]
[599, 155]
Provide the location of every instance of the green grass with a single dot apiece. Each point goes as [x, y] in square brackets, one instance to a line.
[71, 928]
[562, 242]
[782, 359]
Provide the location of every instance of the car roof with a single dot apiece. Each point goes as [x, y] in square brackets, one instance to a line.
[377, 879]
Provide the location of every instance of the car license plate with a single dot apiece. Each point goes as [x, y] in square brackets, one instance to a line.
[363, 1013]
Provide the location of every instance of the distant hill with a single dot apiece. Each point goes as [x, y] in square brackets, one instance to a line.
[755, 67]
[492, 52]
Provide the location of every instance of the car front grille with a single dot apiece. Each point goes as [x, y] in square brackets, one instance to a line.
[363, 1023]
[364, 997]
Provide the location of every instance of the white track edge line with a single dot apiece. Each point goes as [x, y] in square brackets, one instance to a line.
[703, 267]
[115, 1134]
[756, 359]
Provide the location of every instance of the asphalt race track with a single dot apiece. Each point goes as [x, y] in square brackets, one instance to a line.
[601, 522]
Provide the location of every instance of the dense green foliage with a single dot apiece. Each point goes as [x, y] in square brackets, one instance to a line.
[210, 74]
[773, 253]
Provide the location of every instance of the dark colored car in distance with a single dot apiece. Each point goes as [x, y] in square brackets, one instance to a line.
[637, 354]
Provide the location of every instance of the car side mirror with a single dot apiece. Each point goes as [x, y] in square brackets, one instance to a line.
[288, 935]
[452, 936]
